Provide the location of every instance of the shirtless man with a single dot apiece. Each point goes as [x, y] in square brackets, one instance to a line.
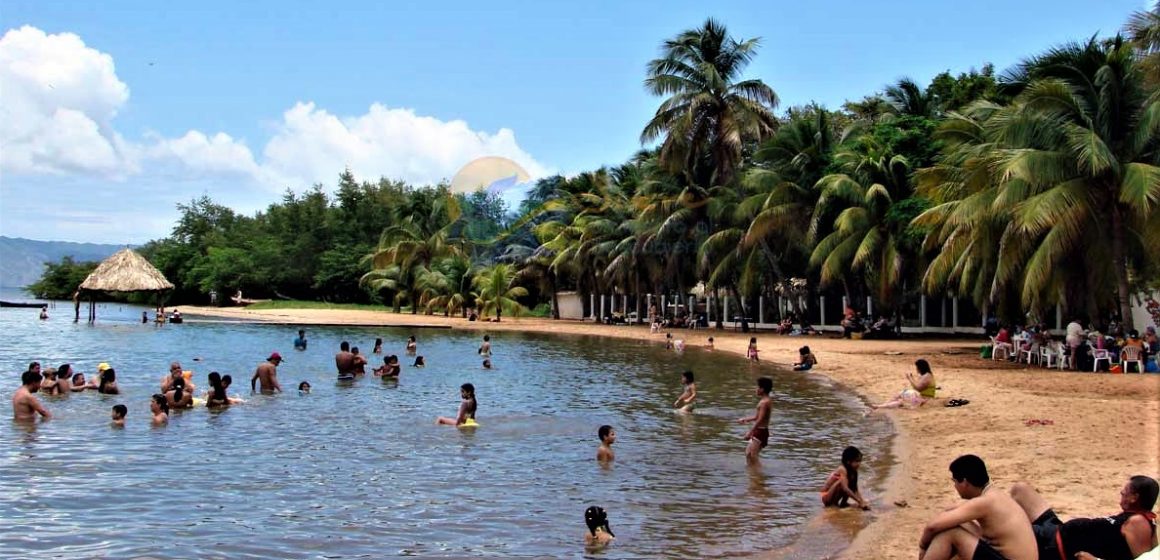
[485, 348]
[25, 405]
[758, 435]
[167, 380]
[345, 362]
[988, 526]
[267, 372]
[1123, 536]
[607, 437]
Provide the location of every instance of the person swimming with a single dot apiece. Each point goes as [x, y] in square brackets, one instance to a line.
[486, 363]
[119, 413]
[419, 362]
[160, 408]
[599, 533]
[304, 388]
[466, 415]
[607, 435]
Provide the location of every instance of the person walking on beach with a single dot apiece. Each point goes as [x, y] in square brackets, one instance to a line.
[607, 437]
[344, 361]
[267, 374]
[25, 405]
[999, 529]
[685, 402]
[758, 435]
[1123, 536]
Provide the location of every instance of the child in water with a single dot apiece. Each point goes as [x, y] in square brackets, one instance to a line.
[685, 401]
[808, 360]
[751, 353]
[668, 341]
[418, 362]
[710, 344]
[486, 363]
[599, 533]
[607, 437]
[466, 415]
[843, 482]
[160, 409]
[304, 388]
[119, 413]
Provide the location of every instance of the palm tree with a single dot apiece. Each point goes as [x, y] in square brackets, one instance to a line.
[709, 113]
[1144, 30]
[412, 246]
[496, 289]
[910, 99]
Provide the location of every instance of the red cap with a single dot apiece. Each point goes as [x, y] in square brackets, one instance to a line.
[274, 356]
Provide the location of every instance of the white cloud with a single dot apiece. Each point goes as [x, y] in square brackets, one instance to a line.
[60, 98]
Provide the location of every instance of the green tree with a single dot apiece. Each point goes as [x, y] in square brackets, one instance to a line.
[61, 279]
[496, 290]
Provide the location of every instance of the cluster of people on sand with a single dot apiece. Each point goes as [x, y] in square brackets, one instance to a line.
[1081, 348]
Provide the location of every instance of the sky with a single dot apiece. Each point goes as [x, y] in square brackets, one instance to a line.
[112, 113]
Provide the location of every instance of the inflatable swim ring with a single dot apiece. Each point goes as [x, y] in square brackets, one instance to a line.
[469, 423]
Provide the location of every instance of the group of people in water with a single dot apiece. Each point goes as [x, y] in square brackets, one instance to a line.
[990, 524]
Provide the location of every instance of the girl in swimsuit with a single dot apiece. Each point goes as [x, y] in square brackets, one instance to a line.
[411, 345]
[160, 408]
[599, 533]
[751, 353]
[217, 394]
[466, 415]
[842, 484]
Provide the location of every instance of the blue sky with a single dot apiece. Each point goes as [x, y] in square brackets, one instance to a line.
[280, 94]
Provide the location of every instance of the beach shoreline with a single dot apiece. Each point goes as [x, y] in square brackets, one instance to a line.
[1104, 427]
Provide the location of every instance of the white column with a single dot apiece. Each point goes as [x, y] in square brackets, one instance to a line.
[955, 312]
[592, 306]
[760, 310]
[664, 305]
[922, 311]
[1058, 317]
[600, 316]
[869, 308]
[725, 315]
[822, 310]
[845, 304]
[624, 307]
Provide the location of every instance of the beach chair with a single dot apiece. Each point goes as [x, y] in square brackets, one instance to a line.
[1029, 354]
[1098, 355]
[1132, 355]
[1005, 347]
[1062, 357]
[1048, 354]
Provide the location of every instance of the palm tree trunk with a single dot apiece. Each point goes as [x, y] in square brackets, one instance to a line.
[1121, 268]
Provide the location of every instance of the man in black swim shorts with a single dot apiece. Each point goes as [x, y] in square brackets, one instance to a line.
[988, 526]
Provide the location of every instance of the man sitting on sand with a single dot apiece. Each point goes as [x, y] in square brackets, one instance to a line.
[988, 526]
[25, 405]
[1122, 536]
[267, 373]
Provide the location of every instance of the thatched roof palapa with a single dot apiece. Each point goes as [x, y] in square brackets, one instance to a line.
[126, 271]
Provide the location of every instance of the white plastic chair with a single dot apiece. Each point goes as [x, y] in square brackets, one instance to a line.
[1049, 354]
[1131, 355]
[1029, 354]
[1063, 358]
[1100, 355]
[1005, 347]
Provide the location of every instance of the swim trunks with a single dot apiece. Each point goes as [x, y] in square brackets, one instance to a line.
[984, 551]
[346, 377]
[762, 435]
[1046, 527]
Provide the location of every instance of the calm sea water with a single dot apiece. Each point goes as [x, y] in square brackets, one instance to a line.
[360, 471]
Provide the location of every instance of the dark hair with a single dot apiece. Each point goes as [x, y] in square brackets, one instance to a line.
[804, 350]
[345, 346]
[688, 375]
[849, 455]
[217, 393]
[971, 469]
[753, 340]
[121, 410]
[595, 518]
[603, 432]
[378, 341]
[418, 361]
[470, 390]
[29, 377]
[33, 365]
[76, 375]
[487, 338]
[922, 366]
[487, 363]
[766, 384]
[227, 379]
[301, 331]
[178, 390]
[304, 386]
[1146, 489]
[411, 338]
[65, 370]
[161, 402]
[110, 376]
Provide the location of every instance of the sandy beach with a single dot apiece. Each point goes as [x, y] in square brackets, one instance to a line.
[1104, 427]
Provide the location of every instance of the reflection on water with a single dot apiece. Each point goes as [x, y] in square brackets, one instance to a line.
[360, 470]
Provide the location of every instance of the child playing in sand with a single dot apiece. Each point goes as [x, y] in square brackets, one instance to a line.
[685, 401]
[607, 437]
[751, 353]
[599, 533]
[808, 360]
[842, 484]
[119, 413]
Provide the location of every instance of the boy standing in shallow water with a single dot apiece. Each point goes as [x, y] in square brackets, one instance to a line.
[685, 401]
[607, 437]
[758, 435]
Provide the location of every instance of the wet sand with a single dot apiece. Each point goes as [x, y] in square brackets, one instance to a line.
[1104, 427]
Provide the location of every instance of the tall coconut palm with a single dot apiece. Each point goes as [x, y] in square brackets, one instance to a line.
[908, 98]
[1144, 30]
[496, 290]
[412, 247]
[1081, 161]
[709, 112]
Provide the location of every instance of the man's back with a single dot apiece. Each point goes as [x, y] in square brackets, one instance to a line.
[344, 361]
[1005, 526]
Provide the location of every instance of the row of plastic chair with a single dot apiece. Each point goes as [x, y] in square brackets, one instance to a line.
[1053, 355]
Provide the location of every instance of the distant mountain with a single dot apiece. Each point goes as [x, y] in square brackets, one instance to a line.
[22, 260]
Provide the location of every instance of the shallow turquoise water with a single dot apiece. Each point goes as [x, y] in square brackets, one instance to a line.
[360, 471]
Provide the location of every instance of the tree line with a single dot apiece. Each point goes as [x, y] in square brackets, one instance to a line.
[1019, 191]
